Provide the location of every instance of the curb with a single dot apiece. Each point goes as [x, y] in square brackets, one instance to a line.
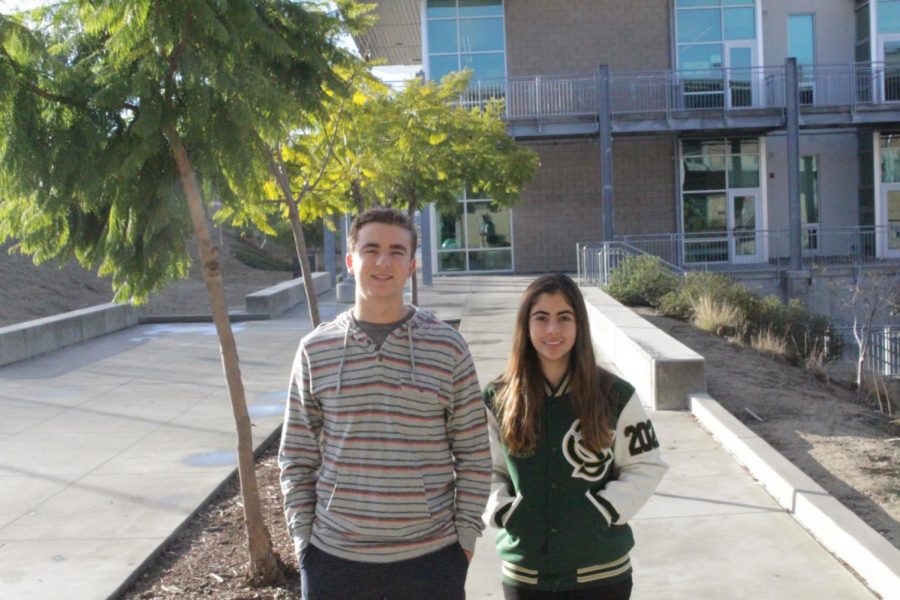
[875, 560]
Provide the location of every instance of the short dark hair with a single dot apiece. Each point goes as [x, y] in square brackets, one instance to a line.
[386, 216]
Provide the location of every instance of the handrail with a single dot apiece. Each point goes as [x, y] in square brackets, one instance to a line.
[730, 90]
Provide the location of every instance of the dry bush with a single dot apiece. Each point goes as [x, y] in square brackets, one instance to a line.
[770, 343]
[883, 390]
[815, 364]
[717, 316]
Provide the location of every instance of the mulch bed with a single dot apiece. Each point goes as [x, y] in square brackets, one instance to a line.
[208, 557]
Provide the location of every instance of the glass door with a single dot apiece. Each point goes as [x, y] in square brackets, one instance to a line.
[739, 74]
[890, 56]
[890, 197]
[743, 220]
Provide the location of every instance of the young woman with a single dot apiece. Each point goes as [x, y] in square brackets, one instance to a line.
[574, 455]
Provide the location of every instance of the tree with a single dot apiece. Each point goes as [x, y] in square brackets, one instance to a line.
[420, 145]
[119, 118]
[871, 297]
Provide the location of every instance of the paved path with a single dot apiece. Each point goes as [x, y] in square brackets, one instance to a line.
[106, 447]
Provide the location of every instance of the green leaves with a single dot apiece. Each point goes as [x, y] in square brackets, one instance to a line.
[86, 91]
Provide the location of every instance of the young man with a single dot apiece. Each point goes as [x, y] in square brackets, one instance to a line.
[385, 460]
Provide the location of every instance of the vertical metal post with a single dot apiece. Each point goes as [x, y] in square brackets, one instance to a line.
[328, 243]
[425, 245]
[345, 230]
[792, 106]
[606, 163]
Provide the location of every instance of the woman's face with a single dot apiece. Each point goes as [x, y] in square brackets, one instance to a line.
[552, 329]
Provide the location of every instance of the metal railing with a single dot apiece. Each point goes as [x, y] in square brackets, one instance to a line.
[720, 89]
[669, 92]
[539, 97]
[742, 250]
[596, 261]
[883, 355]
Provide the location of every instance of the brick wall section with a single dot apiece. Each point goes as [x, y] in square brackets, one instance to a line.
[562, 205]
[577, 36]
[643, 185]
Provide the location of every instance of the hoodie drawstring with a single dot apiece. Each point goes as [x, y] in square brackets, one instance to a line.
[412, 355]
[343, 356]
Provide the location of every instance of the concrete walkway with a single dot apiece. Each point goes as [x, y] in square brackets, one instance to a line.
[107, 446]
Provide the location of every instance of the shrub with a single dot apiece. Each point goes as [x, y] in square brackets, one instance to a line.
[769, 342]
[709, 298]
[641, 281]
[679, 304]
[717, 316]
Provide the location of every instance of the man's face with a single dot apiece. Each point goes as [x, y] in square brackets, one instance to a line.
[381, 261]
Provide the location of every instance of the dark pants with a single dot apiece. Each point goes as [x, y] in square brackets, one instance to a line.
[440, 575]
[616, 591]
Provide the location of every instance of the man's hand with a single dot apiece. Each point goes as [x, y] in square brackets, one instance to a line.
[469, 554]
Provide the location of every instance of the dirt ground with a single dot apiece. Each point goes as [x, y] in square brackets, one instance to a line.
[850, 449]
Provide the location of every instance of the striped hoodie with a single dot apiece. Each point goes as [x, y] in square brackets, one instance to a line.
[384, 454]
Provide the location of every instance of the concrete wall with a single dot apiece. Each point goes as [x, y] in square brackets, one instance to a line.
[835, 34]
[31, 338]
[838, 182]
[577, 36]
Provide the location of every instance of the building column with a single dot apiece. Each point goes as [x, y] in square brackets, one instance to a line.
[425, 244]
[329, 249]
[792, 109]
[606, 166]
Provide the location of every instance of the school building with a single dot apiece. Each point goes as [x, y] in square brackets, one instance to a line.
[676, 127]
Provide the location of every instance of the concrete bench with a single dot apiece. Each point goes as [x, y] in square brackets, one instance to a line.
[283, 296]
[30, 338]
[664, 371]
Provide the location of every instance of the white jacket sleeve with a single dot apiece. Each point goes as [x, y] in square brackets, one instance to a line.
[502, 494]
[637, 462]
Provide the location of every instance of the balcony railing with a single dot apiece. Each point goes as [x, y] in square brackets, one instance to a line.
[675, 93]
[744, 250]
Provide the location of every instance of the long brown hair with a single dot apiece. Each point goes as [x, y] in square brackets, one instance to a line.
[519, 402]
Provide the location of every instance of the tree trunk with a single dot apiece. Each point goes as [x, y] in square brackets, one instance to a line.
[280, 175]
[265, 567]
[356, 193]
[411, 213]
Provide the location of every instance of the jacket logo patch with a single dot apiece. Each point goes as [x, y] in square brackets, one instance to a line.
[588, 464]
[642, 438]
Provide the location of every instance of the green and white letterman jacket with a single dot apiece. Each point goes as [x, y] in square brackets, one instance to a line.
[563, 509]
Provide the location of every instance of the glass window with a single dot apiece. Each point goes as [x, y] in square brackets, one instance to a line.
[743, 171]
[862, 23]
[740, 24]
[699, 26]
[466, 34]
[801, 35]
[490, 260]
[704, 213]
[441, 8]
[441, 65]
[477, 236]
[809, 190]
[485, 66]
[693, 3]
[704, 165]
[739, 2]
[487, 228]
[478, 35]
[442, 36]
[480, 8]
[888, 16]
[890, 158]
[701, 57]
